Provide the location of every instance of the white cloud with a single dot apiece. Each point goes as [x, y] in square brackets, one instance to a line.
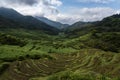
[97, 1]
[48, 8]
[86, 14]
[33, 7]
[56, 2]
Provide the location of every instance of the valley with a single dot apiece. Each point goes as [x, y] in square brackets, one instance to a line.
[30, 49]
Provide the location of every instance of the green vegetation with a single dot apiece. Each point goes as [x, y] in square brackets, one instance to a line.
[11, 40]
[88, 52]
[3, 67]
[106, 41]
[70, 76]
[90, 64]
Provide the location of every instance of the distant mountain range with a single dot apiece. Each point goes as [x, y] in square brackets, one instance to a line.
[10, 18]
[108, 24]
[52, 23]
[78, 25]
[13, 19]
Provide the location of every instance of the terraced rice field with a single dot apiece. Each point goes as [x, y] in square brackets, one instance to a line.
[86, 61]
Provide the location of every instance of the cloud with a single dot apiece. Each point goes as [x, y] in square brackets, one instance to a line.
[17, 2]
[97, 1]
[33, 7]
[49, 9]
[31, 2]
[25, 2]
[86, 14]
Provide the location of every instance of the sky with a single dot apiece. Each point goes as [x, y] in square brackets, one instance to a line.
[65, 11]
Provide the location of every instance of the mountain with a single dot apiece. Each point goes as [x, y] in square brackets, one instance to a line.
[104, 35]
[11, 14]
[52, 23]
[26, 22]
[108, 24]
[79, 25]
[79, 28]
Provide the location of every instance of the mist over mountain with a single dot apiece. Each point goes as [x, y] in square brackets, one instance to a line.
[52, 23]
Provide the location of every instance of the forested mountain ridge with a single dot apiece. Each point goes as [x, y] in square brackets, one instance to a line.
[27, 22]
[52, 23]
[108, 24]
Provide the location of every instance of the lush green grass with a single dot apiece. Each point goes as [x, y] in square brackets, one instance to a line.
[69, 75]
[108, 41]
[26, 34]
[8, 52]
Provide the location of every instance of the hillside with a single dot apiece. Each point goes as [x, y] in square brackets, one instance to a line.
[86, 65]
[108, 24]
[78, 25]
[101, 35]
[16, 20]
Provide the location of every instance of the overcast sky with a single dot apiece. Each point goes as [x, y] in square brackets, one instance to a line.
[65, 11]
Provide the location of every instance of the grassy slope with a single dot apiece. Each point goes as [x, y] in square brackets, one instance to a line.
[86, 62]
[37, 43]
[108, 41]
[83, 59]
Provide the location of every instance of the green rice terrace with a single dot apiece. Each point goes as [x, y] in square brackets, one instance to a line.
[89, 64]
[59, 59]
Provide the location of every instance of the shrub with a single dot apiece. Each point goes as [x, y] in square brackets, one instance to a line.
[11, 40]
[9, 59]
[20, 58]
[38, 56]
[35, 56]
[105, 41]
[3, 67]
